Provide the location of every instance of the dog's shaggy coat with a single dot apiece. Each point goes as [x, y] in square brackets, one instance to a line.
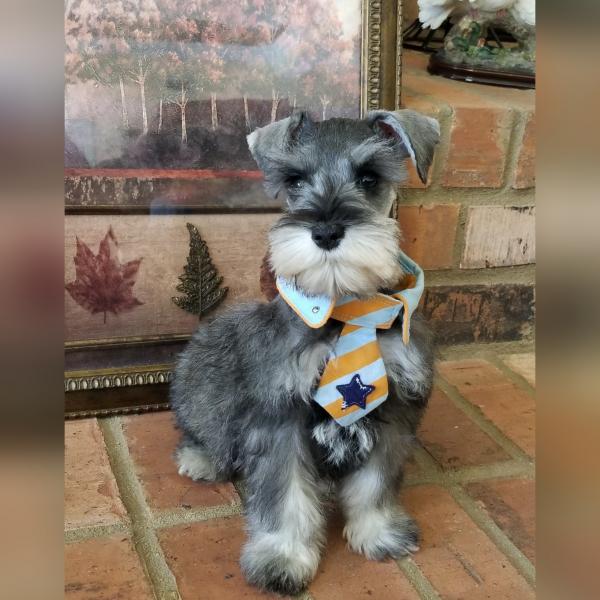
[243, 388]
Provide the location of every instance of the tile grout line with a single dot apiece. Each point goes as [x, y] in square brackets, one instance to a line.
[417, 579]
[521, 563]
[432, 473]
[515, 377]
[177, 517]
[88, 532]
[481, 519]
[144, 536]
[487, 426]
[409, 568]
[456, 352]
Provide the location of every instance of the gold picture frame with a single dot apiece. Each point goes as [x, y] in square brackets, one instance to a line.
[124, 374]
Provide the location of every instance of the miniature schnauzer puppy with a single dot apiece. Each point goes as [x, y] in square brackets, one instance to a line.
[243, 392]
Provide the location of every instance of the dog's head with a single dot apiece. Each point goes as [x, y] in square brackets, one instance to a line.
[339, 176]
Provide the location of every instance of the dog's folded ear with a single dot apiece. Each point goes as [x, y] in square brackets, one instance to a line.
[416, 135]
[268, 143]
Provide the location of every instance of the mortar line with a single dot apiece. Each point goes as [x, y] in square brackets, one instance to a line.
[417, 579]
[518, 560]
[460, 240]
[445, 119]
[452, 481]
[475, 415]
[515, 142]
[413, 196]
[88, 532]
[185, 516]
[144, 536]
[505, 470]
[515, 377]
[475, 350]
[515, 275]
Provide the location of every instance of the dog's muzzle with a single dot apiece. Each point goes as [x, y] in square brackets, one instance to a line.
[327, 236]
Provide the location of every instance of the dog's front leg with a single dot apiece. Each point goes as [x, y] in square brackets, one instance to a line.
[376, 525]
[284, 514]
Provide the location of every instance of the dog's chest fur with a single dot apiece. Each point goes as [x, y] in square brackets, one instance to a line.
[338, 449]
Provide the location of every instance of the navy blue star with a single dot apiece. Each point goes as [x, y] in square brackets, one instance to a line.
[355, 393]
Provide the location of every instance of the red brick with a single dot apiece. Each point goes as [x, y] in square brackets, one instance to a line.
[453, 439]
[104, 568]
[500, 400]
[511, 504]
[525, 170]
[499, 236]
[478, 144]
[429, 233]
[523, 364]
[91, 493]
[456, 556]
[345, 575]
[479, 313]
[204, 557]
[152, 440]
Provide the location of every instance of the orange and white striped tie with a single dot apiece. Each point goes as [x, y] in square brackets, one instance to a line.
[354, 381]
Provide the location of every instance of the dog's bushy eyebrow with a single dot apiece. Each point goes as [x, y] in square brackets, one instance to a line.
[377, 156]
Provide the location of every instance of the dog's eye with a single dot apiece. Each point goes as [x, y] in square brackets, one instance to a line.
[295, 183]
[367, 181]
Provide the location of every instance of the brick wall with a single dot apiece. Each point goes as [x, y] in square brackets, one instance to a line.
[472, 226]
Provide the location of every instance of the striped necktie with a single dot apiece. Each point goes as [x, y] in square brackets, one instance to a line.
[354, 381]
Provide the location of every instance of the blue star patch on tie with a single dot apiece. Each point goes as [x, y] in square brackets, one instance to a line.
[355, 393]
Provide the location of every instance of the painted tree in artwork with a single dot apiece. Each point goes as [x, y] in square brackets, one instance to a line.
[193, 53]
[92, 51]
[115, 42]
[328, 61]
[210, 63]
[303, 53]
[200, 282]
[269, 19]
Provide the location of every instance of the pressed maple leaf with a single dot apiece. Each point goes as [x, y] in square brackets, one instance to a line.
[102, 284]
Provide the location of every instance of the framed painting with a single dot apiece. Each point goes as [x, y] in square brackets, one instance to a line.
[166, 218]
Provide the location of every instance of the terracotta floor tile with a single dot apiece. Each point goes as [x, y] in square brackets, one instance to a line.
[91, 494]
[344, 575]
[500, 400]
[453, 439]
[511, 504]
[459, 560]
[204, 557]
[523, 364]
[152, 440]
[104, 569]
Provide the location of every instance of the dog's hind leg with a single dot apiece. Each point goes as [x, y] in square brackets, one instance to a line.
[193, 461]
[284, 513]
[376, 526]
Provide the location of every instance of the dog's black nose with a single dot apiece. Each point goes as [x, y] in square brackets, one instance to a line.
[327, 236]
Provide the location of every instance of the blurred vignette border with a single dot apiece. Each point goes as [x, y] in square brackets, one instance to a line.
[31, 225]
[568, 290]
[31, 228]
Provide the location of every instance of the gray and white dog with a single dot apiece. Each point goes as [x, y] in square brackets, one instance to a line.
[243, 388]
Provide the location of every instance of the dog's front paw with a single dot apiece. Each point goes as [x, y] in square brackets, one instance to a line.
[194, 463]
[382, 534]
[276, 565]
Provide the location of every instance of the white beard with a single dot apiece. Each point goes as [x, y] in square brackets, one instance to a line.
[365, 260]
